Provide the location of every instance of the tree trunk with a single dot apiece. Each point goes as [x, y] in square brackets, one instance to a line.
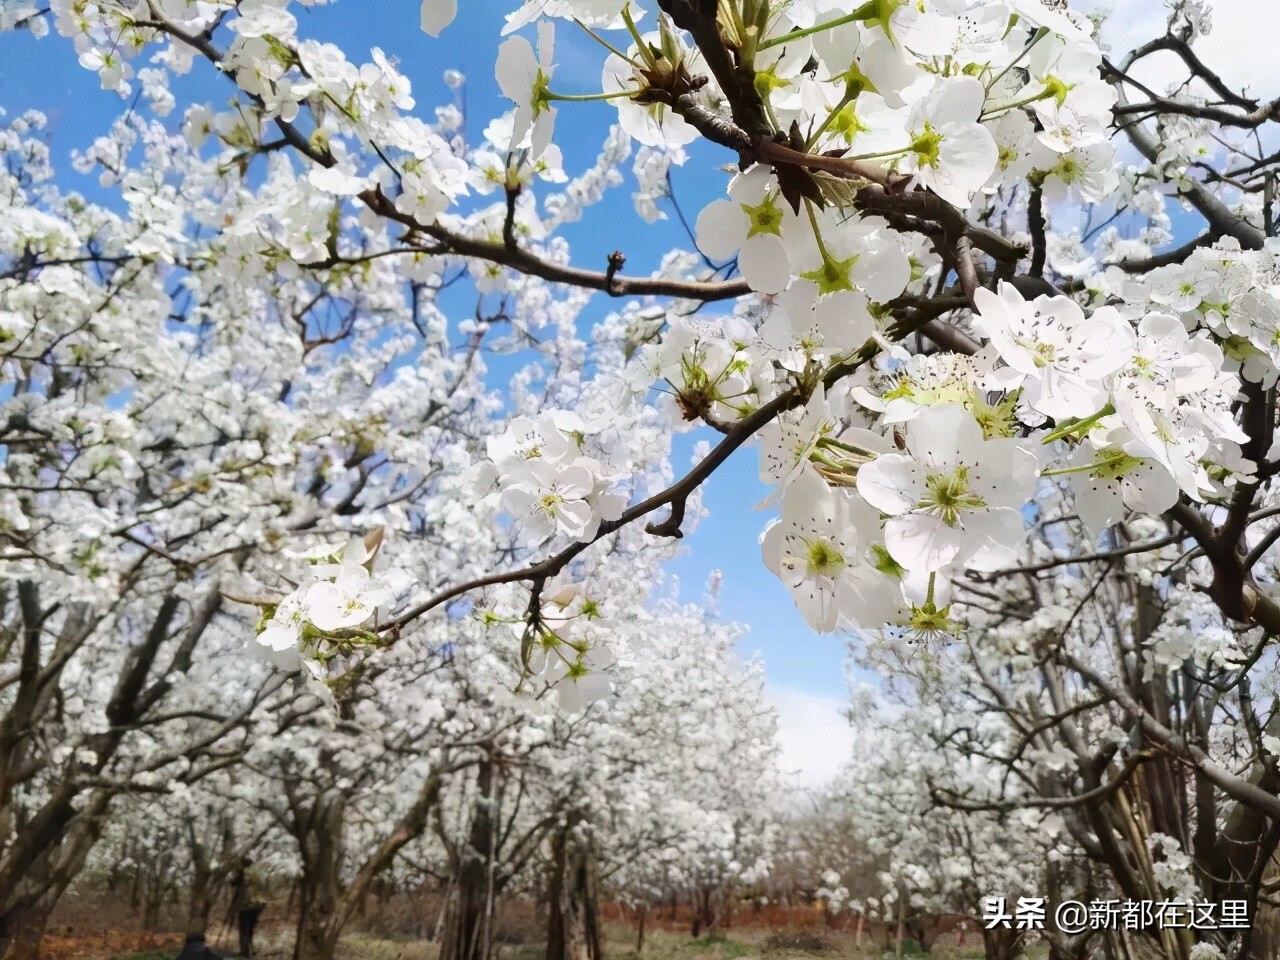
[1264, 937]
[317, 937]
[573, 926]
[26, 915]
[706, 919]
[642, 915]
[897, 946]
[199, 897]
[318, 889]
[466, 929]
[1001, 944]
[22, 927]
[152, 902]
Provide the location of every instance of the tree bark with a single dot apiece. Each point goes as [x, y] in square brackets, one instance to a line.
[573, 926]
[466, 929]
[1000, 944]
[318, 889]
[199, 897]
[706, 918]
[22, 927]
[25, 916]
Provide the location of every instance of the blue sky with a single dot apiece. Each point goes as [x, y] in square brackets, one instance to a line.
[804, 669]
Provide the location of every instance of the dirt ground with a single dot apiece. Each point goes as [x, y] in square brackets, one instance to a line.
[103, 928]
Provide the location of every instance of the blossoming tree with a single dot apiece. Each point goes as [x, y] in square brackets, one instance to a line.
[941, 289]
[874, 148]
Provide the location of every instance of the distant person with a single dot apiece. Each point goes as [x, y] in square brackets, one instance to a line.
[196, 949]
[247, 920]
[244, 906]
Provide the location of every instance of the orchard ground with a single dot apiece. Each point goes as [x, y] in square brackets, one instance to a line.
[97, 929]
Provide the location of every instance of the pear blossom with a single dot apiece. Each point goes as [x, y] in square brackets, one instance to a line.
[284, 630]
[552, 499]
[1054, 351]
[1108, 482]
[952, 496]
[812, 549]
[523, 76]
[951, 153]
[749, 224]
[787, 444]
[1002, 315]
[346, 602]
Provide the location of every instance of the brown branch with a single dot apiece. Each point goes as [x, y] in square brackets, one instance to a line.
[966, 269]
[1194, 63]
[504, 253]
[1169, 257]
[1130, 766]
[675, 496]
[1036, 225]
[1234, 786]
[1220, 218]
[1100, 556]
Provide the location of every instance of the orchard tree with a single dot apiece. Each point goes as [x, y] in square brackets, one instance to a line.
[145, 499]
[955, 315]
[675, 790]
[1078, 704]
[185, 849]
[630, 797]
[900, 341]
[930, 861]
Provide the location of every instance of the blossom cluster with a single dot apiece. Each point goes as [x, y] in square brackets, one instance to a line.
[339, 595]
[875, 147]
[546, 480]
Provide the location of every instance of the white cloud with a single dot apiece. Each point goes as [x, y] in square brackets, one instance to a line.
[816, 738]
[1239, 47]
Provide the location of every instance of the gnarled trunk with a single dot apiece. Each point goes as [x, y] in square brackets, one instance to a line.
[1002, 944]
[706, 915]
[199, 897]
[318, 890]
[573, 923]
[467, 927]
[21, 928]
[26, 914]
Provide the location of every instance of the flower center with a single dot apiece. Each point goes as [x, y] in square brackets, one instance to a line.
[927, 146]
[948, 496]
[823, 558]
[1114, 464]
[833, 275]
[540, 95]
[1042, 354]
[764, 217]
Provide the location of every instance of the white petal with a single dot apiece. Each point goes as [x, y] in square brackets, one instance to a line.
[922, 542]
[438, 14]
[764, 264]
[279, 636]
[720, 228]
[515, 69]
[940, 435]
[575, 482]
[575, 518]
[891, 483]
[1003, 530]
